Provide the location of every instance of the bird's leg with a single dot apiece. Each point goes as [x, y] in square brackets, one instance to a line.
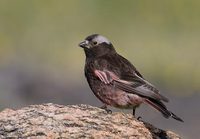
[134, 112]
[134, 115]
[106, 109]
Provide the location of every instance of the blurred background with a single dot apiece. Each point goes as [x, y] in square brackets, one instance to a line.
[40, 61]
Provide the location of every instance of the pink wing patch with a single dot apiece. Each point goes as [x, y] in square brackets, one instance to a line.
[106, 76]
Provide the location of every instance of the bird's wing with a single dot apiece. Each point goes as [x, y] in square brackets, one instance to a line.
[135, 84]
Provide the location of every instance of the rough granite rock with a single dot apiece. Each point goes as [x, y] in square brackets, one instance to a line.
[52, 121]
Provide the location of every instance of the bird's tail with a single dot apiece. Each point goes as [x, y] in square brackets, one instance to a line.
[162, 108]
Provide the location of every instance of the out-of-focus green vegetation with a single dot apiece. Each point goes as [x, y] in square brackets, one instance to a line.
[162, 38]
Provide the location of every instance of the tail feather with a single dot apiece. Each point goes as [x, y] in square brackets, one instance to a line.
[158, 105]
[176, 117]
[160, 108]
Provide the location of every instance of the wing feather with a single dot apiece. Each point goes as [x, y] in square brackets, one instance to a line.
[138, 86]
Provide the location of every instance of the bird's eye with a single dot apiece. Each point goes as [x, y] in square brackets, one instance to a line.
[95, 43]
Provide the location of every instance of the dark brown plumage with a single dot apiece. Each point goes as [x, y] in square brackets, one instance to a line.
[115, 81]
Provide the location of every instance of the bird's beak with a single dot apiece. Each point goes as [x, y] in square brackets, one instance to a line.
[84, 44]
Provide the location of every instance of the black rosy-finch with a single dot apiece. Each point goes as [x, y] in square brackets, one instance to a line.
[115, 81]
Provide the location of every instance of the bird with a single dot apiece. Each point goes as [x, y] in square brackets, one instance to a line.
[115, 81]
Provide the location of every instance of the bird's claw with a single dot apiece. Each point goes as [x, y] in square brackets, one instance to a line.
[106, 109]
[139, 118]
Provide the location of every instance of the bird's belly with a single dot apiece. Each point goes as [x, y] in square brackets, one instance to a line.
[118, 98]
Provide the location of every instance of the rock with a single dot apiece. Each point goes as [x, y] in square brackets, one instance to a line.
[54, 121]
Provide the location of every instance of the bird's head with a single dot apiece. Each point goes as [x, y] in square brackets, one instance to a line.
[96, 45]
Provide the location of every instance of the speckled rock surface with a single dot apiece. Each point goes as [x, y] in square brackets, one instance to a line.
[52, 121]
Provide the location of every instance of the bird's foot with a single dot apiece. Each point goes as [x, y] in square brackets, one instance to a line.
[106, 109]
[139, 118]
